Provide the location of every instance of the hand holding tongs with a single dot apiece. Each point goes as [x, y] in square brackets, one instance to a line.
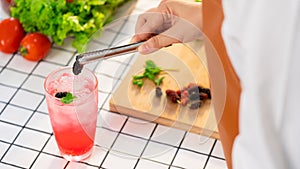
[87, 57]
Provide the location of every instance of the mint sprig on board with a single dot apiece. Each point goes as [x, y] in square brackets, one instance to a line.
[151, 72]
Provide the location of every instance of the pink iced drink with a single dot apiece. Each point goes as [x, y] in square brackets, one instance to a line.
[74, 124]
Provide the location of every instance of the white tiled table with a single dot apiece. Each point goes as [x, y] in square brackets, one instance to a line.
[122, 142]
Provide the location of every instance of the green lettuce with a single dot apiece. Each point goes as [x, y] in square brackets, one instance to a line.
[59, 19]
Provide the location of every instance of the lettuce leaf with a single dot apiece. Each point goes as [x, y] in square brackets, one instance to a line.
[59, 19]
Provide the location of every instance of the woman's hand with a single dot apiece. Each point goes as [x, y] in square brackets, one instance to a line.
[173, 21]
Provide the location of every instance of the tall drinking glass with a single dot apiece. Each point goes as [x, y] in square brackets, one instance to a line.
[72, 102]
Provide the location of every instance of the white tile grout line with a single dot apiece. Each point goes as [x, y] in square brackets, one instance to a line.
[28, 118]
[209, 155]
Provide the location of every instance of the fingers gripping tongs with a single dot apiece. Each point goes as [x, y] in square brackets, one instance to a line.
[87, 57]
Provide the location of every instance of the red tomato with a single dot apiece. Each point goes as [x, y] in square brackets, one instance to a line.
[9, 1]
[35, 46]
[11, 35]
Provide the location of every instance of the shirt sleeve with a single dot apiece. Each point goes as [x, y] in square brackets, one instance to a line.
[262, 39]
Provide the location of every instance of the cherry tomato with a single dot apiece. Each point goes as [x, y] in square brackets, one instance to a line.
[11, 35]
[35, 46]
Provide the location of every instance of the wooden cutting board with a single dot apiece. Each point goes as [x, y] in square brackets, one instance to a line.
[142, 103]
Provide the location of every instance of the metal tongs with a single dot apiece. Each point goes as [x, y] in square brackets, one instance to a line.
[87, 57]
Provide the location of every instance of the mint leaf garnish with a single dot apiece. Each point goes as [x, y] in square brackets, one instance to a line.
[68, 98]
[151, 72]
[158, 81]
[138, 82]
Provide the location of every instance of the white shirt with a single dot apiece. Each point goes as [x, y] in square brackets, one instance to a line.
[262, 38]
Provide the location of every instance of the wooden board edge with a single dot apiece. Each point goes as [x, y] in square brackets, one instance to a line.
[162, 121]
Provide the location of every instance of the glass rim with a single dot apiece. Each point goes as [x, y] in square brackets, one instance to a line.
[66, 68]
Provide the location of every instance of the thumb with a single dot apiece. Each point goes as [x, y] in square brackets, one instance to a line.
[156, 42]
